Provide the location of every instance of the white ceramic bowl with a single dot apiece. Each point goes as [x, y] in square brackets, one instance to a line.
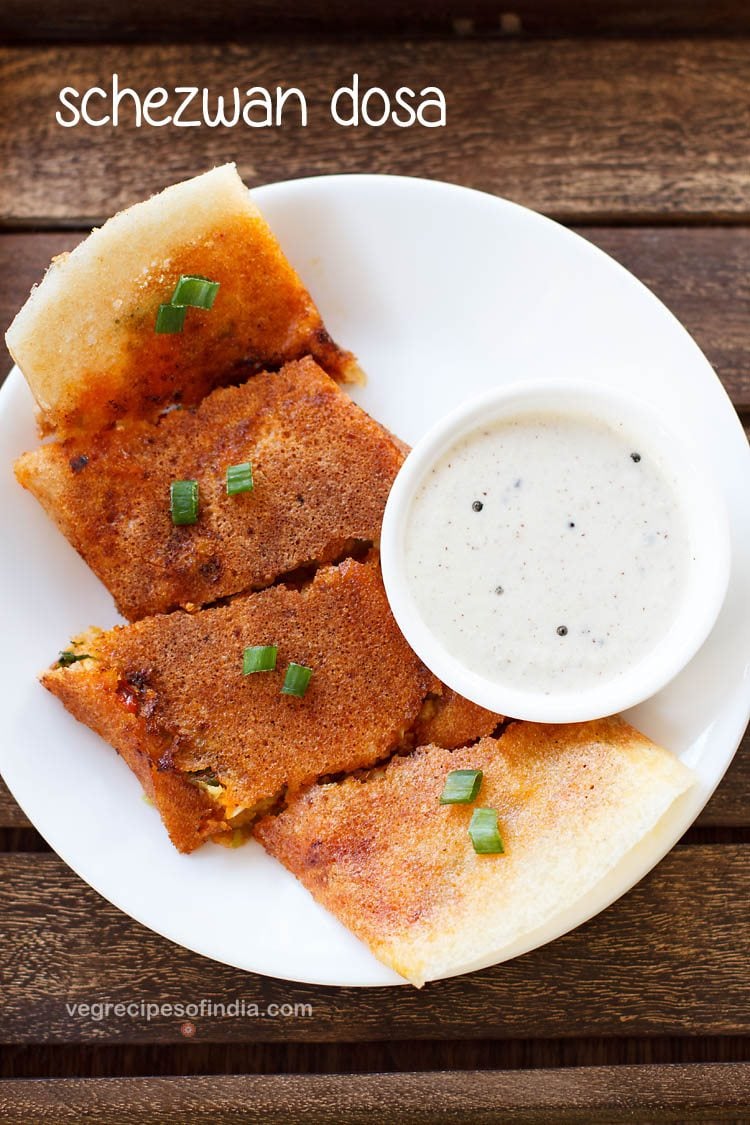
[708, 570]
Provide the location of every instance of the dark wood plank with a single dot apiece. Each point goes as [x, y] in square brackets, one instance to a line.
[23, 260]
[581, 1095]
[637, 128]
[90, 1060]
[670, 958]
[11, 815]
[730, 804]
[702, 275]
[22, 20]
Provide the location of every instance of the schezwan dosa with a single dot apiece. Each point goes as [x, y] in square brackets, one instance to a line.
[398, 868]
[85, 338]
[213, 747]
[322, 471]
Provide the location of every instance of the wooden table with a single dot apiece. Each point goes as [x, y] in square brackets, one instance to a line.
[631, 123]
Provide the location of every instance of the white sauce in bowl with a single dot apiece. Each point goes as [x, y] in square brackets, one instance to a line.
[547, 551]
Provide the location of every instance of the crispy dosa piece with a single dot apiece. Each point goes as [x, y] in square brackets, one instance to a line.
[85, 338]
[213, 747]
[322, 471]
[450, 721]
[400, 871]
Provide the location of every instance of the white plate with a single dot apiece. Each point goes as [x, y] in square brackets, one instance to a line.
[442, 292]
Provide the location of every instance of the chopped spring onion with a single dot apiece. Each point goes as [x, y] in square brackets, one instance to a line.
[170, 318]
[66, 658]
[461, 787]
[484, 834]
[189, 292]
[259, 658]
[296, 680]
[183, 501]
[239, 478]
[207, 781]
[198, 292]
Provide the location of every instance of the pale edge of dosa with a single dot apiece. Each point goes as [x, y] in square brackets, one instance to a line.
[122, 250]
[78, 320]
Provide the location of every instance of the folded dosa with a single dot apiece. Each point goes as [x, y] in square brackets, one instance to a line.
[212, 746]
[450, 721]
[85, 338]
[400, 871]
[322, 472]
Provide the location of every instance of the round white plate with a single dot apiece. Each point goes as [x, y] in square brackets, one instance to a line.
[442, 292]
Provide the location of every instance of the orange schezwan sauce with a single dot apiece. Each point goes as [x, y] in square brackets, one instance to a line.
[262, 317]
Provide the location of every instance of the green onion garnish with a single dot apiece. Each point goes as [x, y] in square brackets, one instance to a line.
[296, 680]
[189, 292]
[461, 787]
[484, 834]
[170, 318]
[198, 292]
[66, 658]
[239, 478]
[183, 501]
[259, 658]
[206, 780]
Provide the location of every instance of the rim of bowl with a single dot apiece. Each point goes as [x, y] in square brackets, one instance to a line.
[700, 500]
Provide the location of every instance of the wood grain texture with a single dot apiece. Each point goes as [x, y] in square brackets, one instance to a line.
[91, 1060]
[703, 276]
[569, 1097]
[23, 20]
[670, 958]
[730, 804]
[592, 128]
[11, 815]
